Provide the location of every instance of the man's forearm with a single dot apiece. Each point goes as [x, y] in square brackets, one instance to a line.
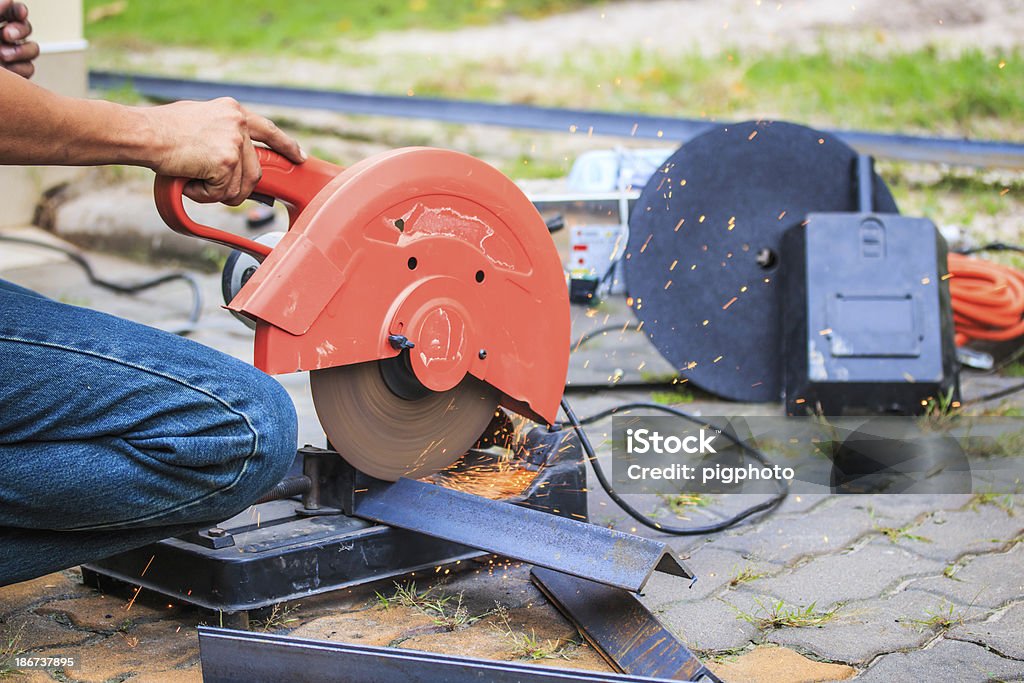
[41, 127]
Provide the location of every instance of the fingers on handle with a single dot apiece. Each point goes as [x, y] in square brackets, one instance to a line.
[266, 131]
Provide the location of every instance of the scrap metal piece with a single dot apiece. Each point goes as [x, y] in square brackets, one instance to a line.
[389, 436]
[593, 552]
[620, 628]
[229, 656]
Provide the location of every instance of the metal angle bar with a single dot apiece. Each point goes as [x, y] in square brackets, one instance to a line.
[620, 628]
[229, 656]
[983, 153]
[593, 552]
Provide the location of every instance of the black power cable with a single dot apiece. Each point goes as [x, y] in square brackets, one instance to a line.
[588, 448]
[121, 288]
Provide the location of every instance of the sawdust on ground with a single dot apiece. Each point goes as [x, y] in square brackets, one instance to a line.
[769, 664]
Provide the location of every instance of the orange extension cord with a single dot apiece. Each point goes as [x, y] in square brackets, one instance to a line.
[988, 299]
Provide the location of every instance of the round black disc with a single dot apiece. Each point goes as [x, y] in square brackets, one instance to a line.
[703, 256]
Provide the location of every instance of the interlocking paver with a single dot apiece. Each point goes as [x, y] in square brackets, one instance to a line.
[857, 575]
[1003, 632]
[946, 660]
[988, 580]
[863, 629]
[785, 539]
[952, 534]
[714, 569]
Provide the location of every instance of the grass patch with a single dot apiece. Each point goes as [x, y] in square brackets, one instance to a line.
[528, 167]
[10, 647]
[745, 575]
[674, 397]
[682, 503]
[1014, 369]
[894, 534]
[529, 646]
[1003, 501]
[1005, 445]
[280, 617]
[950, 571]
[296, 27]
[918, 90]
[778, 615]
[942, 618]
[445, 611]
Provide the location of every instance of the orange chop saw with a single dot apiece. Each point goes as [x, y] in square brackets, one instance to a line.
[420, 288]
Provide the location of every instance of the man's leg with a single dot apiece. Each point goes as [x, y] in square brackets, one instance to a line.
[113, 434]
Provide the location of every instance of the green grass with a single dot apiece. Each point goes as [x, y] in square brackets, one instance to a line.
[942, 618]
[283, 25]
[917, 90]
[445, 611]
[529, 646]
[745, 575]
[778, 615]
[10, 647]
[681, 504]
[1003, 501]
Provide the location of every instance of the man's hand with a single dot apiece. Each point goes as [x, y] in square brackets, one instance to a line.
[212, 142]
[16, 52]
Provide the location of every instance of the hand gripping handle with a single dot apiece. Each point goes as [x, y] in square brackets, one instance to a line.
[294, 184]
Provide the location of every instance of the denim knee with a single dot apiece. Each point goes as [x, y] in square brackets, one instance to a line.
[270, 414]
[276, 424]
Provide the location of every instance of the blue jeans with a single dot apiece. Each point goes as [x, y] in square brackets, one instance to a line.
[114, 435]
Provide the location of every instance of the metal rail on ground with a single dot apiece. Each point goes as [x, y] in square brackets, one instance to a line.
[983, 153]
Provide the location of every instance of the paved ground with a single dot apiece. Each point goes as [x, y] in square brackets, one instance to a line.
[941, 597]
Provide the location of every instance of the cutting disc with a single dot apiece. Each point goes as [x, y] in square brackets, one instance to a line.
[703, 255]
[387, 436]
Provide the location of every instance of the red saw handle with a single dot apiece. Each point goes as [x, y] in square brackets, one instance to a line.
[293, 184]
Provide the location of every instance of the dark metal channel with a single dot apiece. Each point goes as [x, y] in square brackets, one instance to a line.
[593, 552]
[229, 656]
[982, 153]
[620, 628]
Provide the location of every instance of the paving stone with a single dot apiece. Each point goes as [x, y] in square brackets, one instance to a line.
[714, 569]
[104, 613]
[952, 534]
[19, 596]
[710, 624]
[857, 575]
[947, 660]
[905, 508]
[862, 630]
[149, 648]
[987, 581]
[768, 664]
[34, 632]
[1003, 632]
[785, 539]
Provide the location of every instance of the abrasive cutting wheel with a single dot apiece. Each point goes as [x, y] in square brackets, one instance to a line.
[421, 290]
[388, 435]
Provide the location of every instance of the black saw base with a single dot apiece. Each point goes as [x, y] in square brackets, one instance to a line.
[288, 549]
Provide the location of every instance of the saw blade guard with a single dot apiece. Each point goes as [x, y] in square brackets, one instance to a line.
[418, 250]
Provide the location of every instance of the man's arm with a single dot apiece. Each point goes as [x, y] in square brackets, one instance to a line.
[208, 141]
